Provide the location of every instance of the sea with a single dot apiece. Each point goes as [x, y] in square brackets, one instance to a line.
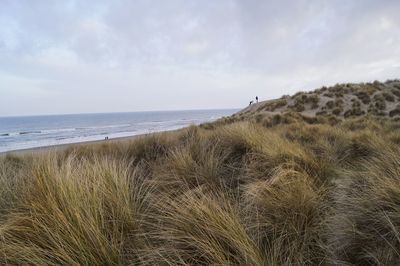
[25, 132]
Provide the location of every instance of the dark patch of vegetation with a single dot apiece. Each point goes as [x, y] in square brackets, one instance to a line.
[339, 102]
[396, 92]
[375, 111]
[337, 111]
[363, 97]
[329, 104]
[356, 104]
[388, 97]
[299, 102]
[274, 105]
[379, 102]
[314, 106]
[395, 111]
[355, 111]
[329, 94]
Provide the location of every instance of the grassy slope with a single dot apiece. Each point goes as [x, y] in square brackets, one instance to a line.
[341, 101]
[254, 189]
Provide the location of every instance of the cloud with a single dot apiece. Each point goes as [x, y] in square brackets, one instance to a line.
[178, 53]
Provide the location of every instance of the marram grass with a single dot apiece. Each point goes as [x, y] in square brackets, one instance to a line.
[300, 192]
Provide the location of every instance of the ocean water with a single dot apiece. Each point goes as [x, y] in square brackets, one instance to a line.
[26, 132]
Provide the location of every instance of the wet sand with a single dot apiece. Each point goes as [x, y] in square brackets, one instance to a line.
[64, 146]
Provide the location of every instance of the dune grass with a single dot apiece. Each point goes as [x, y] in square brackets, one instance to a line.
[293, 192]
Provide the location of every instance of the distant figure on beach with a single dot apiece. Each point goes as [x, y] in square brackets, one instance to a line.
[106, 138]
[257, 99]
[251, 102]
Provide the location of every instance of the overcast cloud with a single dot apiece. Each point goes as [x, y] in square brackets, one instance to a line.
[108, 56]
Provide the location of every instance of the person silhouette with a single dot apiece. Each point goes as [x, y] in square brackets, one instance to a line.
[256, 98]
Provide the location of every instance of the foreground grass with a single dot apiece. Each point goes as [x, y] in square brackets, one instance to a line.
[278, 192]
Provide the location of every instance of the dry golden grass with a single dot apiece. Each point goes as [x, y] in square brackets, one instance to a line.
[297, 191]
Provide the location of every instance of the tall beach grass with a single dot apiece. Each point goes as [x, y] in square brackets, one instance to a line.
[298, 192]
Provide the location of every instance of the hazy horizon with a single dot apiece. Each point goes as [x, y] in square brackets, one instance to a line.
[119, 112]
[104, 56]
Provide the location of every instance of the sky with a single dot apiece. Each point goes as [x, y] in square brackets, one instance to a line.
[139, 55]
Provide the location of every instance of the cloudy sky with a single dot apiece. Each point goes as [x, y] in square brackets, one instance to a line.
[137, 55]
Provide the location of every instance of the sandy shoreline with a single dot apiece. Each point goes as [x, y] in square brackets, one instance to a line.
[64, 146]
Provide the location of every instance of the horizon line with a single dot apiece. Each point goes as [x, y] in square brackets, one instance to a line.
[121, 112]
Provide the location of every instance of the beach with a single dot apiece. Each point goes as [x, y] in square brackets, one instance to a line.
[61, 147]
[32, 132]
